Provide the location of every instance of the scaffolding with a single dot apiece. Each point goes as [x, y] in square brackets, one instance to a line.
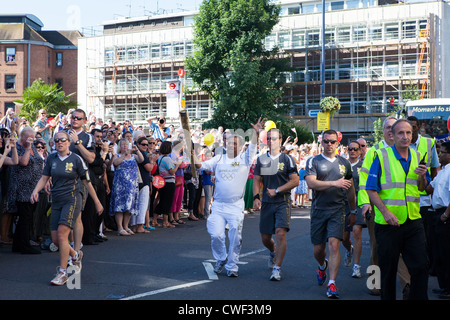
[127, 75]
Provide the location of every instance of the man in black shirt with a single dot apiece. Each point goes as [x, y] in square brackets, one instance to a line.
[91, 220]
[279, 175]
[83, 145]
[330, 177]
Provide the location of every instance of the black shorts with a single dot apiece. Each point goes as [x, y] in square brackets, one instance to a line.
[327, 223]
[65, 211]
[275, 215]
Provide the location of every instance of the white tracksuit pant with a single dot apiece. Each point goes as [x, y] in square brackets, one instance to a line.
[221, 215]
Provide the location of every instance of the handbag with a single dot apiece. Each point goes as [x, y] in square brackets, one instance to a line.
[179, 180]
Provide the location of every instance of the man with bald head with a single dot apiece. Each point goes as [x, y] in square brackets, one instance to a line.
[363, 148]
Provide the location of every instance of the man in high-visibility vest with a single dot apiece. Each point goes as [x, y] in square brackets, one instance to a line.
[363, 198]
[395, 180]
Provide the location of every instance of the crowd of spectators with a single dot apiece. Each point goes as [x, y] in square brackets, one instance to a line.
[127, 158]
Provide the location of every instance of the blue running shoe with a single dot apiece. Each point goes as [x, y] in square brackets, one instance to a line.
[321, 274]
[332, 292]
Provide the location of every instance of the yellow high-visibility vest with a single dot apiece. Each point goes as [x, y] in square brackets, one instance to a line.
[363, 198]
[399, 191]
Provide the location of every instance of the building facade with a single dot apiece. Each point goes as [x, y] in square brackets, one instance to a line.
[28, 53]
[374, 54]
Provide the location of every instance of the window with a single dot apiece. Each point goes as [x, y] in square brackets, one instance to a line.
[359, 33]
[109, 55]
[338, 5]
[270, 41]
[298, 39]
[313, 38]
[166, 50]
[376, 33]
[10, 54]
[294, 10]
[59, 59]
[59, 83]
[143, 53]
[353, 4]
[178, 49]
[10, 82]
[131, 54]
[156, 51]
[308, 8]
[121, 54]
[408, 29]
[10, 105]
[283, 40]
[343, 35]
[391, 30]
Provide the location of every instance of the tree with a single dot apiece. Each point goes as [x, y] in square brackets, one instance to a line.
[43, 96]
[231, 64]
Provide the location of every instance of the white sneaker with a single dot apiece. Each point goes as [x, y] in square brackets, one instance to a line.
[276, 274]
[77, 262]
[356, 271]
[60, 279]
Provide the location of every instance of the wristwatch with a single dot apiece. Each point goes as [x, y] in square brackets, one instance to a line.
[77, 142]
[353, 211]
[276, 191]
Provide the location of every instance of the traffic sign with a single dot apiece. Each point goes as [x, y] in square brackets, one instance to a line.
[181, 73]
[313, 113]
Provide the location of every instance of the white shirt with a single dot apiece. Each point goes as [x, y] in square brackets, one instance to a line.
[230, 174]
[441, 186]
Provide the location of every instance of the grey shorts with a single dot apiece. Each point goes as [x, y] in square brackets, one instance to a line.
[359, 218]
[327, 223]
[65, 211]
[273, 216]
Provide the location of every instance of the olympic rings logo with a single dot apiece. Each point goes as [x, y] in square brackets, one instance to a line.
[227, 176]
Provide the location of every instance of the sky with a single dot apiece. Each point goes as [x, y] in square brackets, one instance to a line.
[78, 14]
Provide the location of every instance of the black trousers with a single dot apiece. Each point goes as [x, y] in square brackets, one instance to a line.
[408, 240]
[24, 227]
[442, 231]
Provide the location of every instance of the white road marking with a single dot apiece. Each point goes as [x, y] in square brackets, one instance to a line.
[210, 271]
[181, 286]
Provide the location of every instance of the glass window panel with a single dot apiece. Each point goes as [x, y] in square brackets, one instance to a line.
[337, 5]
[298, 39]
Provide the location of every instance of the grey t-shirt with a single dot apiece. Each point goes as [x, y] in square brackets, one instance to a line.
[66, 174]
[326, 170]
[275, 172]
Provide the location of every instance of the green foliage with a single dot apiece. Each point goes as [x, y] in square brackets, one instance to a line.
[43, 96]
[231, 64]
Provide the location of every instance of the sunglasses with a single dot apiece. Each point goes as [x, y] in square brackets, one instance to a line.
[362, 145]
[272, 138]
[144, 144]
[40, 147]
[353, 149]
[61, 140]
[77, 118]
[152, 142]
[329, 141]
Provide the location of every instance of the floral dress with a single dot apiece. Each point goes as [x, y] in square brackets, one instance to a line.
[125, 188]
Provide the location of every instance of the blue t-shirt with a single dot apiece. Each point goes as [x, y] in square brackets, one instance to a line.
[165, 164]
[373, 180]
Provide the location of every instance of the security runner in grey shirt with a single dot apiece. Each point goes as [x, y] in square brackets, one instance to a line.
[278, 173]
[330, 177]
